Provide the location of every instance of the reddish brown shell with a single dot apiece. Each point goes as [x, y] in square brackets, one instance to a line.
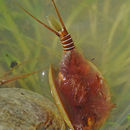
[83, 92]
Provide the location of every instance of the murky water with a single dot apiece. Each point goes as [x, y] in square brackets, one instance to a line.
[100, 30]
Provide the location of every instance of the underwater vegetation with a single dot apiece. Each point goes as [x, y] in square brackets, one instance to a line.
[100, 30]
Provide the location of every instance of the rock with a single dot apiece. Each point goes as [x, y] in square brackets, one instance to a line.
[25, 110]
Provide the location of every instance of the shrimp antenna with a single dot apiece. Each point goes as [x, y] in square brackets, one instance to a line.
[46, 26]
[59, 16]
[2, 82]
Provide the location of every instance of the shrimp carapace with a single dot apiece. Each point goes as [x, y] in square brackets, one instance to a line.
[82, 90]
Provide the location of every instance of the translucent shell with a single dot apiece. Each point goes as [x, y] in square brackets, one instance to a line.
[56, 96]
[80, 92]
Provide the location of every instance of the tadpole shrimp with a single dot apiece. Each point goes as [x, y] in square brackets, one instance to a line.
[79, 89]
